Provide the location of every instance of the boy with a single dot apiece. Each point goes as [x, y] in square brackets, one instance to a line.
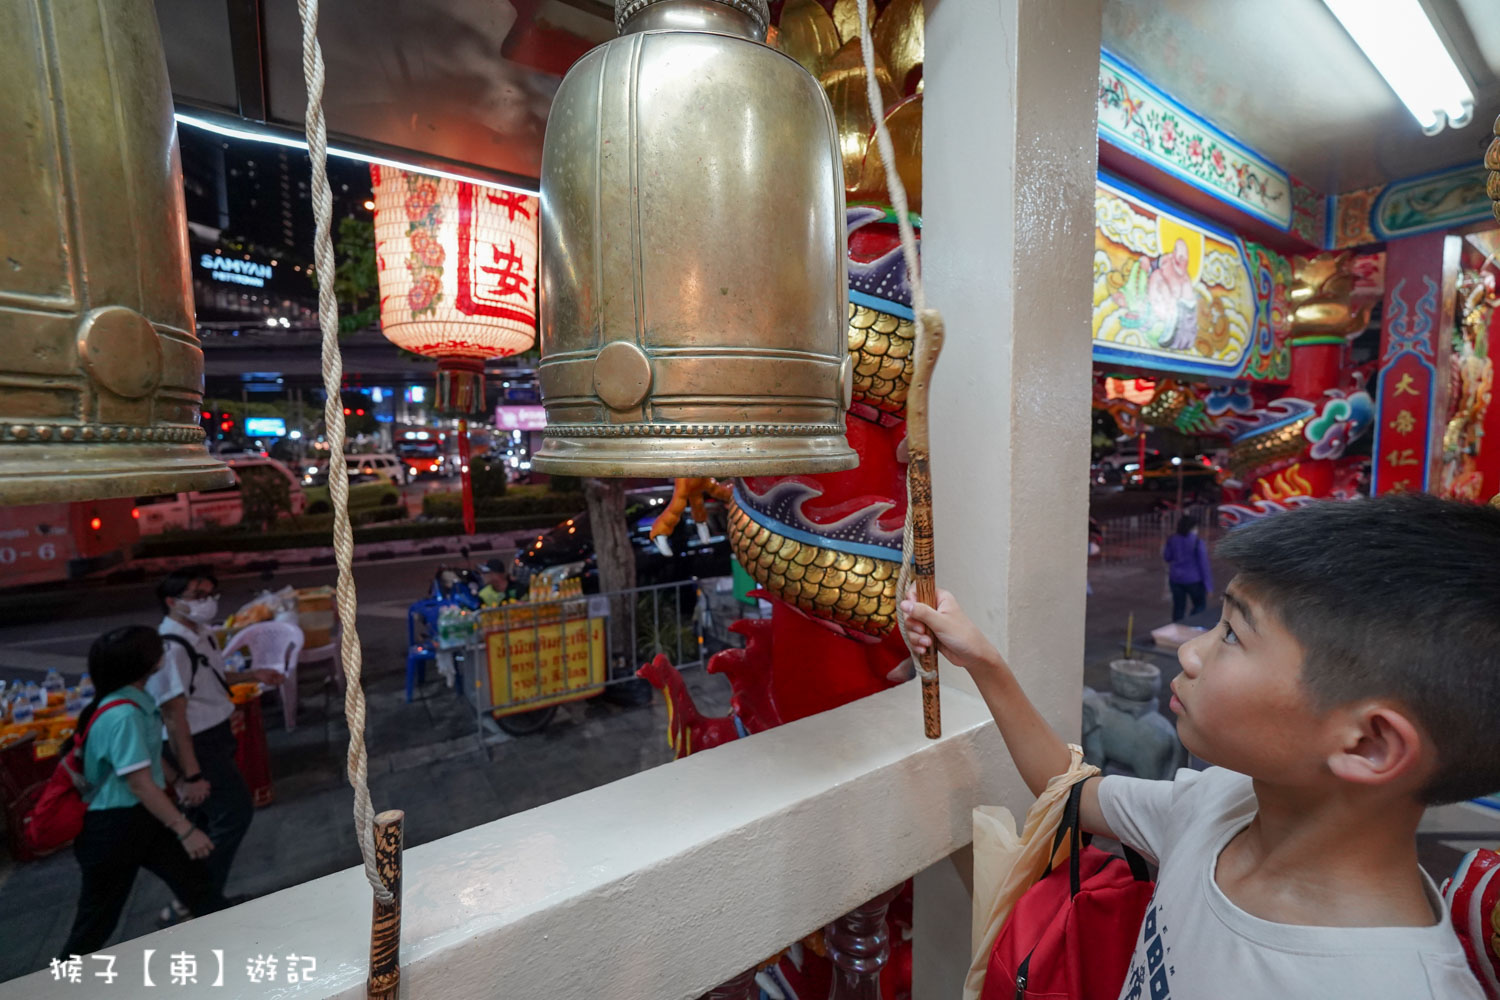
[1353, 681]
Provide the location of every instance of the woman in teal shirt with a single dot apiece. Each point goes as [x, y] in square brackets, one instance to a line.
[131, 823]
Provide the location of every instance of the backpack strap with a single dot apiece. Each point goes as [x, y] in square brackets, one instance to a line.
[197, 659]
[79, 738]
[1072, 828]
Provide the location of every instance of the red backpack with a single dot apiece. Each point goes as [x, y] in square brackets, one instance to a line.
[1070, 937]
[57, 817]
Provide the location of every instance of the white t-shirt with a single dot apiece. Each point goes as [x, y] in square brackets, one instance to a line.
[1197, 945]
[208, 703]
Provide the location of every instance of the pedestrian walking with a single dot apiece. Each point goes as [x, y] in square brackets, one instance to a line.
[1188, 571]
[130, 823]
[192, 690]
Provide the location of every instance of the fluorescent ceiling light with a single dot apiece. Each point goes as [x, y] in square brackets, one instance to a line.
[1398, 37]
[278, 139]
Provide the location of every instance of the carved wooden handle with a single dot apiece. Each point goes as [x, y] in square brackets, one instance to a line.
[919, 498]
[385, 924]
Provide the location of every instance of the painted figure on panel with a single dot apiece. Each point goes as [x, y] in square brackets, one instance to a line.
[1169, 292]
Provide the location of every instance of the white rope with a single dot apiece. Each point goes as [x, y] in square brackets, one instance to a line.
[897, 191]
[338, 476]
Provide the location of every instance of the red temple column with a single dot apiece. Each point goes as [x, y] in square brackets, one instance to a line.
[1421, 278]
[1317, 365]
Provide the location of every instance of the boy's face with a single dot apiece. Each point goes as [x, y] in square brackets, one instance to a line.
[1240, 701]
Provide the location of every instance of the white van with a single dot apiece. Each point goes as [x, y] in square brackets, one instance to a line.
[387, 467]
[217, 508]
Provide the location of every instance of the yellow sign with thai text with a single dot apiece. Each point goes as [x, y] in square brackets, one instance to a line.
[552, 664]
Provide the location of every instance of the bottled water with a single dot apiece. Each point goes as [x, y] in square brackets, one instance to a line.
[35, 695]
[21, 713]
[75, 702]
[53, 683]
[86, 688]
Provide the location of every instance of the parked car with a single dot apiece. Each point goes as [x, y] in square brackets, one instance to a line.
[568, 550]
[216, 508]
[366, 490]
[387, 467]
[1198, 473]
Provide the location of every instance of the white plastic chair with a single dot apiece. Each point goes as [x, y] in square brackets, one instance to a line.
[276, 645]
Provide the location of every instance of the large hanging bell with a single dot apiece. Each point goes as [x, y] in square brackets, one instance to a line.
[101, 373]
[692, 261]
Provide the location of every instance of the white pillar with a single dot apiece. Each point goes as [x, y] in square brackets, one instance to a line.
[1009, 163]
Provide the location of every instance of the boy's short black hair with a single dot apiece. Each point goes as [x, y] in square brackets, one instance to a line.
[1393, 597]
[177, 582]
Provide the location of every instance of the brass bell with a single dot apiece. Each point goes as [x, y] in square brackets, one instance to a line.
[693, 281]
[101, 373]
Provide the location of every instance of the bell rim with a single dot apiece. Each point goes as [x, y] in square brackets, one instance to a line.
[111, 472]
[671, 458]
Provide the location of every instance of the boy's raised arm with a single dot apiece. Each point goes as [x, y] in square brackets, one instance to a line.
[1039, 753]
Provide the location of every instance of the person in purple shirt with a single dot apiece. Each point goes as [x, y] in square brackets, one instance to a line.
[1188, 571]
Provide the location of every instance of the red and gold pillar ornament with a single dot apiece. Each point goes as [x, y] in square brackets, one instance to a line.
[457, 269]
[1324, 315]
[1420, 296]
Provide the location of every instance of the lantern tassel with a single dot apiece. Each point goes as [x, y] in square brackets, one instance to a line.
[467, 480]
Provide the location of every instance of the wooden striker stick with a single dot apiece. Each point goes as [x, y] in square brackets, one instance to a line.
[919, 497]
[385, 923]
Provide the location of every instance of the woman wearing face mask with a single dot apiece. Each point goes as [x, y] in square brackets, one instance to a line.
[192, 689]
[130, 823]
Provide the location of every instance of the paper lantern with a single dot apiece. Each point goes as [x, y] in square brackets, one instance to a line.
[457, 269]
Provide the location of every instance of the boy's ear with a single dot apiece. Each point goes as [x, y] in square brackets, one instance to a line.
[1378, 744]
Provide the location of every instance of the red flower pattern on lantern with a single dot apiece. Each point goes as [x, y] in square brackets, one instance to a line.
[421, 198]
[424, 294]
[1218, 159]
[423, 246]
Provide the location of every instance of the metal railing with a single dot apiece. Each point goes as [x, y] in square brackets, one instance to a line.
[572, 648]
[1141, 537]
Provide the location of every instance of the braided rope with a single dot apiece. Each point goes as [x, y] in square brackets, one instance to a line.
[897, 192]
[338, 476]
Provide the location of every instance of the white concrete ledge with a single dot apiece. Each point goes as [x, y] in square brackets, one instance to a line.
[657, 886]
